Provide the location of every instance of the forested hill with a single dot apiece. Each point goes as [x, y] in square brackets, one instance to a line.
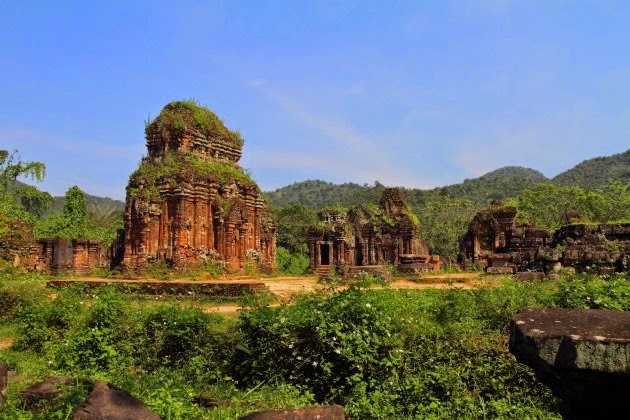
[92, 201]
[499, 184]
[594, 173]
[496, 185]
[317, 194]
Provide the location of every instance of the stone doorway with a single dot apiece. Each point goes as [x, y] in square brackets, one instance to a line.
[324, 253]
[358, 253]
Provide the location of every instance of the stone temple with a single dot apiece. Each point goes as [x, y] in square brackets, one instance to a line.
[189, 202]
[366, 236]
[495, 243]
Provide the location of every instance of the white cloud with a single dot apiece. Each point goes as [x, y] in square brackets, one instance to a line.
[16, 139]
[366, 159]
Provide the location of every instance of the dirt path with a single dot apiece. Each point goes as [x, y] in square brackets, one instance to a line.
[286, 287]
[5, 343]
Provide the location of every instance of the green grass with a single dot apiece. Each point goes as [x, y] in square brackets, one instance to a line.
[381, 353]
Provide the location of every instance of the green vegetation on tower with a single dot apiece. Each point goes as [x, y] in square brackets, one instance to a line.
[185, 166]
[179, 117]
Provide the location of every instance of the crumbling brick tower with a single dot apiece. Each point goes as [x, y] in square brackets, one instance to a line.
[189, 202]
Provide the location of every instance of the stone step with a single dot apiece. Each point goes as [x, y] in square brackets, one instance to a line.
[323, 272]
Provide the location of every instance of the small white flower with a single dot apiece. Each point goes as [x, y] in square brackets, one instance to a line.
[299, 357]
[314, 364]
[291, 345]
[367, 305]
[338, 351]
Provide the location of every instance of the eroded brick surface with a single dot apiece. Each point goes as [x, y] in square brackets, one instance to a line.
[194, 213]
[494, 242]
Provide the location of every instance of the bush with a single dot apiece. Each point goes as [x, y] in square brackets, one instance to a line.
[329, 345]
[291, 264]
[588, 291]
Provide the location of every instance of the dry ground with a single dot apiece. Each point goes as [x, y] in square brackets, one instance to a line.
[287, 287]
[284, 288]
[5, 343]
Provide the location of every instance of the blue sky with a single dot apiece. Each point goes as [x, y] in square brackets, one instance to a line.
[410, 93]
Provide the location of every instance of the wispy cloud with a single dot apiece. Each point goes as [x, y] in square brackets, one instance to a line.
[365, 160]
[329, 127]
[549, 143]
[24, 137]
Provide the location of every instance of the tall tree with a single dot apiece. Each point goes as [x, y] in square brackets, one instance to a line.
[293, 223]
[25, 203]
[443, 220]
[71, 223]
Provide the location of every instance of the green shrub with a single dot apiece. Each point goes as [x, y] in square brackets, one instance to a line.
[291, 264]
[95, 340]
[171, 335]
[588, 291]
[329, 345]
[43, 323]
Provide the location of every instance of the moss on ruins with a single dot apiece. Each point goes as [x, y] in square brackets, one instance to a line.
[179, 117]
[179, 167]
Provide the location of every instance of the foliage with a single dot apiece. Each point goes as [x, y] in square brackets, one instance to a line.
[33, 200]
[78, 221]
[183, 116]
[316, 194]
[12, 167]
[332, 346]
[92, 202]
[443, 221]
[497, 185]
[592, 292]
[19, 201]
[71, 223]
[293, 224]
[596, 173]
[550, 206]
[382, 353]
[291, 264]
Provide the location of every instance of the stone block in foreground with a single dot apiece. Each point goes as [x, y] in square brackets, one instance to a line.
[4, 370]
[583, 355]
[111, 403]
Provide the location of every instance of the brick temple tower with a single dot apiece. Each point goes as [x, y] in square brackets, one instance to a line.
[189, 202]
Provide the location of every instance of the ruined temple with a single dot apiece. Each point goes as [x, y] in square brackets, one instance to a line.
[59, 255]
[366, 235]
[494, 242]
[189, 202]
[17, 244]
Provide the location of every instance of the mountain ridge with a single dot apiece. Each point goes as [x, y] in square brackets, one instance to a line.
[499, 184]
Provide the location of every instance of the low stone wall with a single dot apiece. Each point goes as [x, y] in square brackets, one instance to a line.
[172, 288]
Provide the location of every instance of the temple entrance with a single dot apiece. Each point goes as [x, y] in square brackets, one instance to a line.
[358, 254]
[324, 254]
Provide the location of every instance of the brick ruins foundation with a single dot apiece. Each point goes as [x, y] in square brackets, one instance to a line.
[495, 243]
[56, 255]
[189, 202]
